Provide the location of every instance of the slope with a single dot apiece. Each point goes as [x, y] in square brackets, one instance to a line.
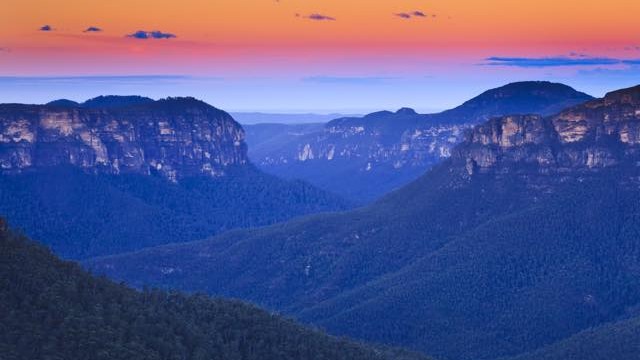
[618, 340]
[51, 309]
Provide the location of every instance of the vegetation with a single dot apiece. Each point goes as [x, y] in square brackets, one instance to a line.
[81, 215]
[461, 270]
[619, 340]
[50, 309]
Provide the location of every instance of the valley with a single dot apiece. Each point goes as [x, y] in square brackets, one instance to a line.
[455, 255]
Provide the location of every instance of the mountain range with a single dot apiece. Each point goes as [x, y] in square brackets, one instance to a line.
[117, 174]
[363, 158]
[522, 243]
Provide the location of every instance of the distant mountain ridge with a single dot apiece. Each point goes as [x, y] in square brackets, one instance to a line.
[103, 102]
[524, 238]
[363, 158]
[527, 97]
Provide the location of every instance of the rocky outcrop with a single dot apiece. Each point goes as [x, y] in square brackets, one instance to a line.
[175, 137]
[598, 134]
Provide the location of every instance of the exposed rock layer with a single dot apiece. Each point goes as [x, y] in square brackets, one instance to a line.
[174, 137]
[598, 134]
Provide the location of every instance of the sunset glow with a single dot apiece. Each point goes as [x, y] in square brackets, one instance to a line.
[285, 45]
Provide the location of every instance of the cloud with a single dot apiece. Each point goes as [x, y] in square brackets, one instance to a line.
[93, 29]
[46, 28]
[4, 49]
[362, 80]
[558, 61]
[319, 17]
[628, 73]
[155, 34]
[412, 14]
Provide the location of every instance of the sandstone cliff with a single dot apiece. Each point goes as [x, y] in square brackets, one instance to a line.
[598, 134]
[175, 137]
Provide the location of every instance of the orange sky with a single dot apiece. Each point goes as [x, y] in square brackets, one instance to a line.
[496, 24]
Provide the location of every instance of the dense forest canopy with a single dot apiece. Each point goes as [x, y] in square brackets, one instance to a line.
[53, 310]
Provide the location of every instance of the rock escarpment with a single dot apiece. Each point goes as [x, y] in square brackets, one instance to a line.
[598, 134]
[384, 150]
[406, 139]
[175, 138]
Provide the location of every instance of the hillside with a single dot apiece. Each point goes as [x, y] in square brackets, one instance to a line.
[363, 158]
[93, 180]
[526, 236]
[53, 309]
[619, 340]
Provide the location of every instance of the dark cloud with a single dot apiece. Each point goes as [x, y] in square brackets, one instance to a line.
[320, 17]
[145, 35]
[46, 28]
[412, 14]
[93, 29]
[526, 62]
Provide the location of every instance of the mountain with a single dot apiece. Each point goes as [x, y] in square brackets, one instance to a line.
[362, 158]
[527, 97]
[97, 181]
[102, 102]
[175, 137]
[524, 237]
[63, 103]
[113, 101]
[51, 309]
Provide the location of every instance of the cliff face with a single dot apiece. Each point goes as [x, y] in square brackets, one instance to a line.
[174, 138]
[598, 134]
[393, 140]
[362, 158]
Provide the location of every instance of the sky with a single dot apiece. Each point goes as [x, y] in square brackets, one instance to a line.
[349, 56]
